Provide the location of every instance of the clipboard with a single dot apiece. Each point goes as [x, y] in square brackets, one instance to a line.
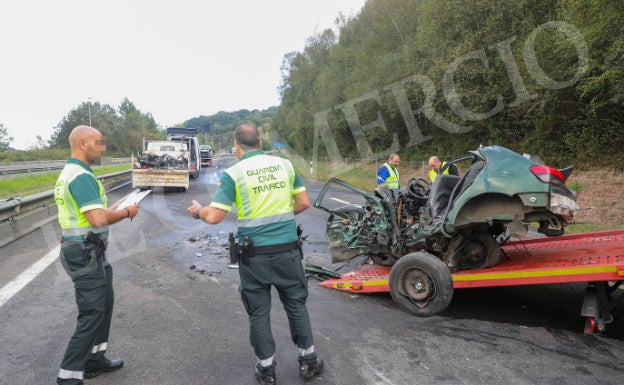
[133, 198]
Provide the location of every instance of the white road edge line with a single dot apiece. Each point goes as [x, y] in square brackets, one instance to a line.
[341, 201]
[19, 282]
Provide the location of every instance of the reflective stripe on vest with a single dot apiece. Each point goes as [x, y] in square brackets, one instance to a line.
[433, 173]
[83, 231]
[72, 221]
[393, 179]
[70, 374]
[263, 193]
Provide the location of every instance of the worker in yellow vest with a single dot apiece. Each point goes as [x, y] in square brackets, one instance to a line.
[436, 164]
[267, 192]
[84, 219]
[388, 174]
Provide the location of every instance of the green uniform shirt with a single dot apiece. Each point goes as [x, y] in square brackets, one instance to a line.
[264, 186]
[77, 190]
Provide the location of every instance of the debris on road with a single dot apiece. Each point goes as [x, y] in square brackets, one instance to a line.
[320, 273]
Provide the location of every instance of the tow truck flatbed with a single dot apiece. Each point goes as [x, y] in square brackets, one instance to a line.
[596, 258]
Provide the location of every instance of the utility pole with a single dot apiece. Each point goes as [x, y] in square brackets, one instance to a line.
[90, 113]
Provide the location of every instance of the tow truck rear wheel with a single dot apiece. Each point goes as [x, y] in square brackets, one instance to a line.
[421, 284]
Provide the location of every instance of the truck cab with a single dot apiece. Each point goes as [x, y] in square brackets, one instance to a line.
[188, 136]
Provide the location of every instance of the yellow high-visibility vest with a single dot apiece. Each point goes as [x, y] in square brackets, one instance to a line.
[433, 173]
[393, 179]
[264, 194]
[71, 220]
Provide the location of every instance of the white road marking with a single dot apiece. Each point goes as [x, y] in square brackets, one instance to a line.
[341, 201]
[17, 284]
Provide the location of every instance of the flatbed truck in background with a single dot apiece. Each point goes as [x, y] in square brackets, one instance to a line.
[162, 164]
[168, 163]
[424, 287]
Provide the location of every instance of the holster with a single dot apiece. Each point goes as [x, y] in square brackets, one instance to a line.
[300, 239]
[234, 249]
[94, 247]
[247, 250]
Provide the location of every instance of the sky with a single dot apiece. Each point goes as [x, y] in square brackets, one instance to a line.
[175, 60]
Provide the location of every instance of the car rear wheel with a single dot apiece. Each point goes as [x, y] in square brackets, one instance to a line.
[480, 251]
[382, 259]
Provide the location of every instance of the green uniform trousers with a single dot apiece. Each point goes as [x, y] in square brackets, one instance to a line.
[93, 285]
[285, 272]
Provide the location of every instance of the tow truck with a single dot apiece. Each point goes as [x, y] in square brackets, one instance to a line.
[422, 284]
[501, 223]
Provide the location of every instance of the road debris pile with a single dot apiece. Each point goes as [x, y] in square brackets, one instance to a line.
[210, 254]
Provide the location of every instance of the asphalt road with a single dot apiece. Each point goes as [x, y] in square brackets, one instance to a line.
[178, 317]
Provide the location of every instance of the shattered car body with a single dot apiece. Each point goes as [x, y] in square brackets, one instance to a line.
[460, 219]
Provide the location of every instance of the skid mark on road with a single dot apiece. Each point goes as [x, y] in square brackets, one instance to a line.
[378, 374]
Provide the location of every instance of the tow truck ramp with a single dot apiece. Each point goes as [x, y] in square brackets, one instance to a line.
[596, 258]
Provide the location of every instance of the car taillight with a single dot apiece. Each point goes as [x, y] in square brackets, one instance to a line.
[548, 174]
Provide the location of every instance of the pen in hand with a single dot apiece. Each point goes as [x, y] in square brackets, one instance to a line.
[131, 218]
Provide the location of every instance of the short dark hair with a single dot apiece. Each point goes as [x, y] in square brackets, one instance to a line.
[247, 136]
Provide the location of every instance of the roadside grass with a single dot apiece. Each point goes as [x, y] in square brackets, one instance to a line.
[21, 186]
[577, 228]
[363, 176]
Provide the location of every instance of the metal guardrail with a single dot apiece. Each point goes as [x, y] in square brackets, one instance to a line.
[20, 216]
[33, 166]
[46, 165]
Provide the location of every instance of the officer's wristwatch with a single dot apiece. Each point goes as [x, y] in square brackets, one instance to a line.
[196, 214]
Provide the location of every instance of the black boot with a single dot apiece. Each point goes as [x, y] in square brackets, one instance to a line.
[266, 376]
[107, 366]
[310, 367]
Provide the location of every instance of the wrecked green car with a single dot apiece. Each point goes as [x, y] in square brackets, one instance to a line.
[462, 220]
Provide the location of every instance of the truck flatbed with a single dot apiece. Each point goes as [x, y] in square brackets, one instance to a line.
[149, 178]
[596, 257]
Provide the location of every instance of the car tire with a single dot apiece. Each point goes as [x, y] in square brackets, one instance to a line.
[480, 251]
[421, 284]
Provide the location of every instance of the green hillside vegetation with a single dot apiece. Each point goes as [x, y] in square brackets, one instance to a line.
[218, 130]
[536, 76]
[225, 122]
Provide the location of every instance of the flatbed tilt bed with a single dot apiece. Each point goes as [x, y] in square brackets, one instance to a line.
[596, 258]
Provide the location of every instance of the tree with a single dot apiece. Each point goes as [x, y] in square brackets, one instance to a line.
[124, 128]
[132, 128]
[5, 139]
[39, 144]
[103, 117]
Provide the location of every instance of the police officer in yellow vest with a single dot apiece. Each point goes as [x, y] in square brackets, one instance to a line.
[84, 220]
[268, 192]
[436, 164]
[388, 174]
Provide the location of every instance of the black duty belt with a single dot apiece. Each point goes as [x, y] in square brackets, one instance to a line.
[272, 249]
